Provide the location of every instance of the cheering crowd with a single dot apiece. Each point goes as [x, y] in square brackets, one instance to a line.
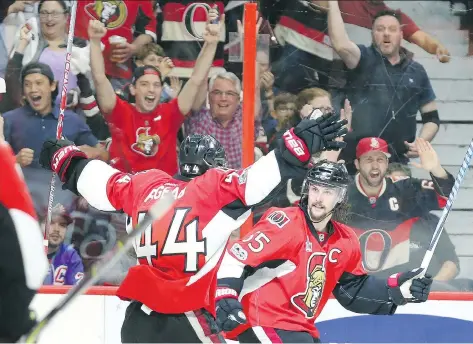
[146, 74]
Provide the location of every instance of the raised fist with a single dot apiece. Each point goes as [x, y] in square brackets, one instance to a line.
[96, 30]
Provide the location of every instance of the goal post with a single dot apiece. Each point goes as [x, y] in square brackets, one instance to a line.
[249, 87]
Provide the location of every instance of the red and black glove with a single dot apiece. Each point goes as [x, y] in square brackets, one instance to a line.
[56, 155]
[311, 136]
[229, 311]
[409, 287]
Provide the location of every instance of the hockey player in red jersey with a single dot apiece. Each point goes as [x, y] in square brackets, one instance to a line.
[287, 267]
[23, 263]
[173, 288]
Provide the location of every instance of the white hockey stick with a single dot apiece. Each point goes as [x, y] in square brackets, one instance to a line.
[156, 212]
[60, 120]
[451, 198]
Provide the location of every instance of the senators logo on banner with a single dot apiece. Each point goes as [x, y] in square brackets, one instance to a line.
[308, 301]
[111, 13]
[383, 249]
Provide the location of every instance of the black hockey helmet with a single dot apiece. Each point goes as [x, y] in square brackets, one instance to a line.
[198, 153]
[324, 172]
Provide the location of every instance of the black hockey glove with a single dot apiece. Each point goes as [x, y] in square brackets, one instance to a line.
[311, 136]
[229, 311]
[409, 287]
[56, 155]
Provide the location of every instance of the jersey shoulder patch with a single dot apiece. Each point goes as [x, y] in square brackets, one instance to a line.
[278, 218]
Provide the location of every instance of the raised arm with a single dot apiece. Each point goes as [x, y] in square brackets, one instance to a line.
[106, 97]
[104, 187]
[348, 51]
[190, 91]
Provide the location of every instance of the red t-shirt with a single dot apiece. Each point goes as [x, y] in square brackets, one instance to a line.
[121, 18]
[143, 141]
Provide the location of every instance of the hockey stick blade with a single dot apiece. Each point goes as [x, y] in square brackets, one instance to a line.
[451, 198]
[156, 212]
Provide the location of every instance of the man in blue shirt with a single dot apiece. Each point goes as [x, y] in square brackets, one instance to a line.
[27, 127]
[385, 86]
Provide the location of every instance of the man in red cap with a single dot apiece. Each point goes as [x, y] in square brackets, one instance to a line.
[383, 212]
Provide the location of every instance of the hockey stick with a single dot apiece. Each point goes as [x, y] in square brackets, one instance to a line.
[156, 212]
[451, 198]
[60, 120]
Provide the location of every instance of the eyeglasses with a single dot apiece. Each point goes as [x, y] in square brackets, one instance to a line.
[218, 93]
[54, 15]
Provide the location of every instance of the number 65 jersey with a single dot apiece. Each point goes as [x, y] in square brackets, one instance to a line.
[180, 253]
[284, 271]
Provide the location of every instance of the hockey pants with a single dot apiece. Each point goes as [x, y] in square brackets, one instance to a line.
[141, 325]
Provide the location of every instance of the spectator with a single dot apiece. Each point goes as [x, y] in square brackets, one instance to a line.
[284, 110]
[397, 171]
[144, 135]
[306, 102]
[13, 15]
[65, 266]
[307, 58]
[445, 263]
[385, 87]
[129, 20]
[27, 127]
[389, 216]
[362, 14]
[152, 54]
[223, 119]
[310, 99]
[48, 46]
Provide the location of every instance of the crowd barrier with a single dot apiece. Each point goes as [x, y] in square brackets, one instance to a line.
[96, 318]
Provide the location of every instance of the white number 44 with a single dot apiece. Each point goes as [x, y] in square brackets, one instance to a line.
[190, 247]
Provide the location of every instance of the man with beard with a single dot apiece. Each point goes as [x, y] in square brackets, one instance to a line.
[385, 86]
[286, 268]
[384, 213]
[65, 264]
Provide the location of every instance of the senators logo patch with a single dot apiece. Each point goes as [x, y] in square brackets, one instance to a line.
[146, 144]
[308, 301]
[278, 218]
[112, 13]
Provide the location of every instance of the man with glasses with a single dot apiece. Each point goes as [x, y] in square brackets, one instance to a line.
[223, 118]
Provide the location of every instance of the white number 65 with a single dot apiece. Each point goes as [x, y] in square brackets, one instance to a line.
[260, 238]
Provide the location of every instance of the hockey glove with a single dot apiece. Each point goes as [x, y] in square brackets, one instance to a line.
[56, 155]
[311, 136]
[229, 312]
[409, 287]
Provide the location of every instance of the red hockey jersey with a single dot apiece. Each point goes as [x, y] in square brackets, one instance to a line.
[25, 236]
[121, 18]
[179, 255]
[293, 272]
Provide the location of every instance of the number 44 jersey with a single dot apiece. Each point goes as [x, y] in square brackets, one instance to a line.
[180, 253]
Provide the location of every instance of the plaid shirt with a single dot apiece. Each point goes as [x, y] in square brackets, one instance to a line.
[202, 122]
